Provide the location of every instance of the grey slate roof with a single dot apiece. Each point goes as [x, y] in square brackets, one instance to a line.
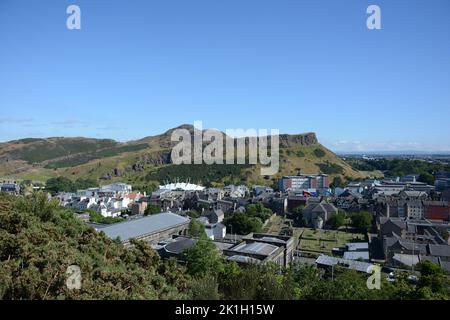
[256, 248]
[351, 264]
[137, 228]
[357, 246]
[356, 255]
[439, 250]
[179, 245]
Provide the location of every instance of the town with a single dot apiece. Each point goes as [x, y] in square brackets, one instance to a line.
[394, 223]
[212, 158]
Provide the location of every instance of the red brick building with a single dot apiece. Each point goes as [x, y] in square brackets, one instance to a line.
[437, 210]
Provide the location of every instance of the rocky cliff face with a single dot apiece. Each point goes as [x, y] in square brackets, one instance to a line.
[287, 140]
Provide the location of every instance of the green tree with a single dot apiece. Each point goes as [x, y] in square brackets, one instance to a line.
[337, 182]
[427, 178]
[297, 216]
[196, 229]
[361, 220]
[203, 258]
[337, 221]
[98, 218]
[193, 214]
[60, 184]
[258, 210]
[152, 209]
[205, 287]
[433, 277]
[39, 241]
[81, 184]
[242, 224]
[319, 153]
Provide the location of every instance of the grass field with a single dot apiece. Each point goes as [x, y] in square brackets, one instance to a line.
[323, 241]
[314, 241]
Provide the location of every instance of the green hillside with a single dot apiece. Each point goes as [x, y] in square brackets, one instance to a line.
[149, 159]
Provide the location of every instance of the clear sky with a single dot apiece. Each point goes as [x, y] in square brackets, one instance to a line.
[137, 68]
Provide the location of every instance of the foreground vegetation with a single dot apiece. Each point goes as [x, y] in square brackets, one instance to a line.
[39, 241]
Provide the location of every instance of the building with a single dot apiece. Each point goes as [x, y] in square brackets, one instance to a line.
[357, 251]
[214, 229]
[442, 181]
[317, 214]
[329, 262]
[153, 228]
[259, 190]
[138, 208]
[394, 188]
[262, 248]
[413, 195]
[304, 182]
[117, 188]
[174, 248]
[182, 186]
[410, 178]
[295, 200]
[10, 187]
[233, 191]
[216, 216]
[437, 210]
[413, 209]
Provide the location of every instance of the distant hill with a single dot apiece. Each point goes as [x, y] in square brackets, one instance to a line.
[149, 159]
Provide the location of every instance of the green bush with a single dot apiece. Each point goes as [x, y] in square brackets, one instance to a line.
[319, 153]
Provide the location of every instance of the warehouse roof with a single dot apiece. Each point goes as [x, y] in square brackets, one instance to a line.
[350, 264]
[137, 228]
[256, 248]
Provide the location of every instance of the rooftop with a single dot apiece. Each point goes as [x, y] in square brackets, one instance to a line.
[256, 248]
[351, 264]
[357, 246]
[356, 255]
[137, 228]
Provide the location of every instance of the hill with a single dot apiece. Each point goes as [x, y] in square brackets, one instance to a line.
[149, 159]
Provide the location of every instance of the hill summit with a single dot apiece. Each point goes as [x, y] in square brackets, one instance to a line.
[149, 159]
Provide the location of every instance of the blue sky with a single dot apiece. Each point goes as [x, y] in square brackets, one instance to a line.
[137, 68]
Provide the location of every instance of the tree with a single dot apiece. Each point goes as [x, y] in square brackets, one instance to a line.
[433, 277]
[205, 287]
[297, 216]
[63, 184]
[337, 221]
[337, 182]
[98, 218]
[39, 241]
[242, 224]
[427, 178]
[81, 184]
[319, 153]
[444, 234]
[258, 210]
[60, 184]
[152, 209]
[203, 258]
[196, 229]
[193, 214]
[361, 220]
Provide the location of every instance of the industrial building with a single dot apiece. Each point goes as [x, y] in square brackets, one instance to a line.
[152, 228]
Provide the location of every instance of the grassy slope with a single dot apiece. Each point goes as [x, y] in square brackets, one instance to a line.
[291, 160]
